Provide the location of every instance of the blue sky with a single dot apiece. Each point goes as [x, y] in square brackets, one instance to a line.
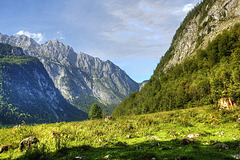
[133, 34]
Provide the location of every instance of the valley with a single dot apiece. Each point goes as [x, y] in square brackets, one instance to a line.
[59, 104]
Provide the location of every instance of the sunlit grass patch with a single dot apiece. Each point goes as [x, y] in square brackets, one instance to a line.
[157, 135]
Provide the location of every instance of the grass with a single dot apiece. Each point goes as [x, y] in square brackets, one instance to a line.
[157, 135]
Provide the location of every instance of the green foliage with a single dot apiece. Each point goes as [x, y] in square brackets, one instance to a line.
[6, 49]
[95, 112]
[156, 135]
[212, 74]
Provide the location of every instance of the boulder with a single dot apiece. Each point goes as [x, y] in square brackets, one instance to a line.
[28, 142]
[104, 146]
[155, 144]
[121, 144]
[108, 118]
[129, 127]
[152, 138]
[5, 148]
[236, 156]
[137, 147]
[129, 136]
[193, 135]
[81, 157]
[186, 141]
[221, 146]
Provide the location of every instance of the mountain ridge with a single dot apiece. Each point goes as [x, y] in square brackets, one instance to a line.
[79, 75]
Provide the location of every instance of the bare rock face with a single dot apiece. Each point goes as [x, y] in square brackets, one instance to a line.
[221, 15]
[141, 85]
[28, 142]
[21, 41]
[79, 77]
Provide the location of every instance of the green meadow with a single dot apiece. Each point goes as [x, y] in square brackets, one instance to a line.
[212, 133]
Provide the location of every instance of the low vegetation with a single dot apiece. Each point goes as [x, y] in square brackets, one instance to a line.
[195, 133]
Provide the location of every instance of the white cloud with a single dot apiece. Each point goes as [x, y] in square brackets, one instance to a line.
[143, 27]
[60, 35]
[188, 7]
[36, 36]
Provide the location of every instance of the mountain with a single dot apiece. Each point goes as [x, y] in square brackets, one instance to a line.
[142, 84]
[201, 25]
[201, 65]
[28, 94]
[82, 79]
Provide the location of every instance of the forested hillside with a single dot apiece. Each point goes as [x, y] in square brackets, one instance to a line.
[212, 74]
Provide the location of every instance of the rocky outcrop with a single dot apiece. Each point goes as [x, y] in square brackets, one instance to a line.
[82, 79]
[200, 30]
[141, 85]
[28, 142]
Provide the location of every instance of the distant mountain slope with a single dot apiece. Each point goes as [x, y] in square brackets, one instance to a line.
[141, 85]
[194, 72]
[27, 93]
[82, 79]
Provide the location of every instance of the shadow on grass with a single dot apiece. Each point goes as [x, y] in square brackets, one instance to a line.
[159, 150]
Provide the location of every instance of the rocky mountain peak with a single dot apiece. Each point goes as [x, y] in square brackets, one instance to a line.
[81, 78]
[56, 43]
[24, 41]
[3, 37]
[56, 50]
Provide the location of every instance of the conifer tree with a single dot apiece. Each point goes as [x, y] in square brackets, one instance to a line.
[95, 112]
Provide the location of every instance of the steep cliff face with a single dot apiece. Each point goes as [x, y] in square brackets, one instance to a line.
[82, 79]
[27, 92]
[212, 17]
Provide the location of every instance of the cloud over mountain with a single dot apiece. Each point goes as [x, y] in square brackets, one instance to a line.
[36, 36]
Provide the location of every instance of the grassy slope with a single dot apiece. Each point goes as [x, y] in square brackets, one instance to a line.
[168, 128]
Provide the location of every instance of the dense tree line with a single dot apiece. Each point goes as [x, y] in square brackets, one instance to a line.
[212, 74]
